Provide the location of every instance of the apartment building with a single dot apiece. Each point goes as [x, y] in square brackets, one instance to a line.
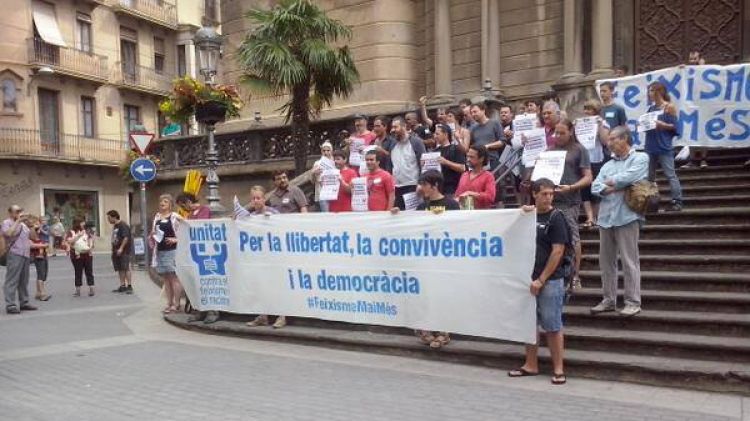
[76, 77]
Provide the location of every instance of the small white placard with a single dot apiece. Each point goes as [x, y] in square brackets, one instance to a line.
[550, 165]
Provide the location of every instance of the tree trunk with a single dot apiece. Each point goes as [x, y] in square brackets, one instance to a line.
[301, 126]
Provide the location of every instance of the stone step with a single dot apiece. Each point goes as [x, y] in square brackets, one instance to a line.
[672, 233]
[713, 168]
[712, 201]
[719, 376]
[697, 323]
[681, 262]
[659, 344]
[681, 246]
[715, 180]
[696, 301]
[730, 215]
[709, 189]
[680, 281]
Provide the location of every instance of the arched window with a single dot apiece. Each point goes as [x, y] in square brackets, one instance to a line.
[9, 96]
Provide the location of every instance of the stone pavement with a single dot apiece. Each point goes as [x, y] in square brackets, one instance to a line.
[112, 357]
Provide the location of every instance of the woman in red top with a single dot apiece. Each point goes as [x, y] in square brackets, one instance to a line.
[477, 183]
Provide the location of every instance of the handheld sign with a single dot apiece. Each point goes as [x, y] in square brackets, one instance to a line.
[550, 165]
[143, 170]
[141, 141]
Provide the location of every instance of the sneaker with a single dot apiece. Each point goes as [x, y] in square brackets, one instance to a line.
[280, 322]
[258, 321]
[13, 310]
[602, 307]
[704, 164]
[675, 206]
[120, 289]
[689, 165]
[630, 310]
[129, 290]
[28, 307]
[211, 317]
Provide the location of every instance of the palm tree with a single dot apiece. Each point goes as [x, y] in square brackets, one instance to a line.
[290, 52]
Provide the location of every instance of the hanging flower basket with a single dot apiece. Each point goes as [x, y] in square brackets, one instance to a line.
[210, 112]
[210, 103]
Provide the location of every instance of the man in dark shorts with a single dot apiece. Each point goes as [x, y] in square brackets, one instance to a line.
[121, 241]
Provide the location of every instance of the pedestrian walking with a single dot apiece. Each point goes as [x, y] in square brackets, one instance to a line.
[619, 225]
[39, 247]
[81, 243]
[163, 239]
[122, 240]
[17, 236]
[58, 233]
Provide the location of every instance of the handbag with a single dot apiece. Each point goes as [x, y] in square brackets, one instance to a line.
[5, 250]
[82, 245]
[642, 197]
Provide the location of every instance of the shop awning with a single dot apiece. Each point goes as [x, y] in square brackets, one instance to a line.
[46, 23]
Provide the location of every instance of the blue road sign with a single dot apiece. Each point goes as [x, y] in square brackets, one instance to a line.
[143, 170]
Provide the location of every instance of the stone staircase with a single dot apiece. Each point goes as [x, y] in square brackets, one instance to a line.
[694, 331]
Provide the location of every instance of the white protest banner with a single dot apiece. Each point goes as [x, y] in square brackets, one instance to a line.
[536, 143]
[713, 103]
[430, 161]
[411, 201]
[647, 121]
[356, 147]
[449, 272]
[550, 165]
[586, 131]
[330, 184]
[359, 194]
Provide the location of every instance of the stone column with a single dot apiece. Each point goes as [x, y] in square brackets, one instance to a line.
[491, 43]
[573, 40]
[602, 35]
[443, 52]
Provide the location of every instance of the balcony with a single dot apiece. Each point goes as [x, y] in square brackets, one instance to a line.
[33, 144]
[142, 79]
[158, 12]
[68, 61]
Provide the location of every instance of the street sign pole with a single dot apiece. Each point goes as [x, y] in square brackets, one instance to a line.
[144, 230]
[143, 170]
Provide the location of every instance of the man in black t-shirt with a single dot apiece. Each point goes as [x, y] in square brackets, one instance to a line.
[430, 184]
[452, 159]
[547, 283]
[121, 243]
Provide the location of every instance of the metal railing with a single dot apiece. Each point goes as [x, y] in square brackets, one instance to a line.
[157, 10]
[68, 60]
[61, 146]
[143, 78]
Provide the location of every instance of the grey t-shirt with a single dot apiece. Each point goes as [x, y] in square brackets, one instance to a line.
[484, 134]
[615, 115]
[405, 165]
[576, 160]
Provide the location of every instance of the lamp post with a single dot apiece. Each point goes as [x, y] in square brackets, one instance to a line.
[208, 43]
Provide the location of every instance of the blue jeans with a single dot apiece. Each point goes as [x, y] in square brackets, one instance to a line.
[549, 305]
[666, 162]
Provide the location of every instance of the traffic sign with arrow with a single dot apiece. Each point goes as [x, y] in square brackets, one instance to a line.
[141, 141]
[143, 170]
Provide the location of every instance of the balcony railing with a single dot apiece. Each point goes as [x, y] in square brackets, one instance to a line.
[61, 147]
[142, 79]
[68, 60]
[156, 11]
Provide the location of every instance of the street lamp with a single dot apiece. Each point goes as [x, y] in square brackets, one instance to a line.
[208, 43]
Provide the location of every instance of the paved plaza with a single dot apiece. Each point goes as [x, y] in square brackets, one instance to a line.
[112, 357]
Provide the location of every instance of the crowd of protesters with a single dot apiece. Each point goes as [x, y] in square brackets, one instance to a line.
[478, 156]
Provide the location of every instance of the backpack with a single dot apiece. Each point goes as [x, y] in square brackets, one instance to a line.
[568, 258]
